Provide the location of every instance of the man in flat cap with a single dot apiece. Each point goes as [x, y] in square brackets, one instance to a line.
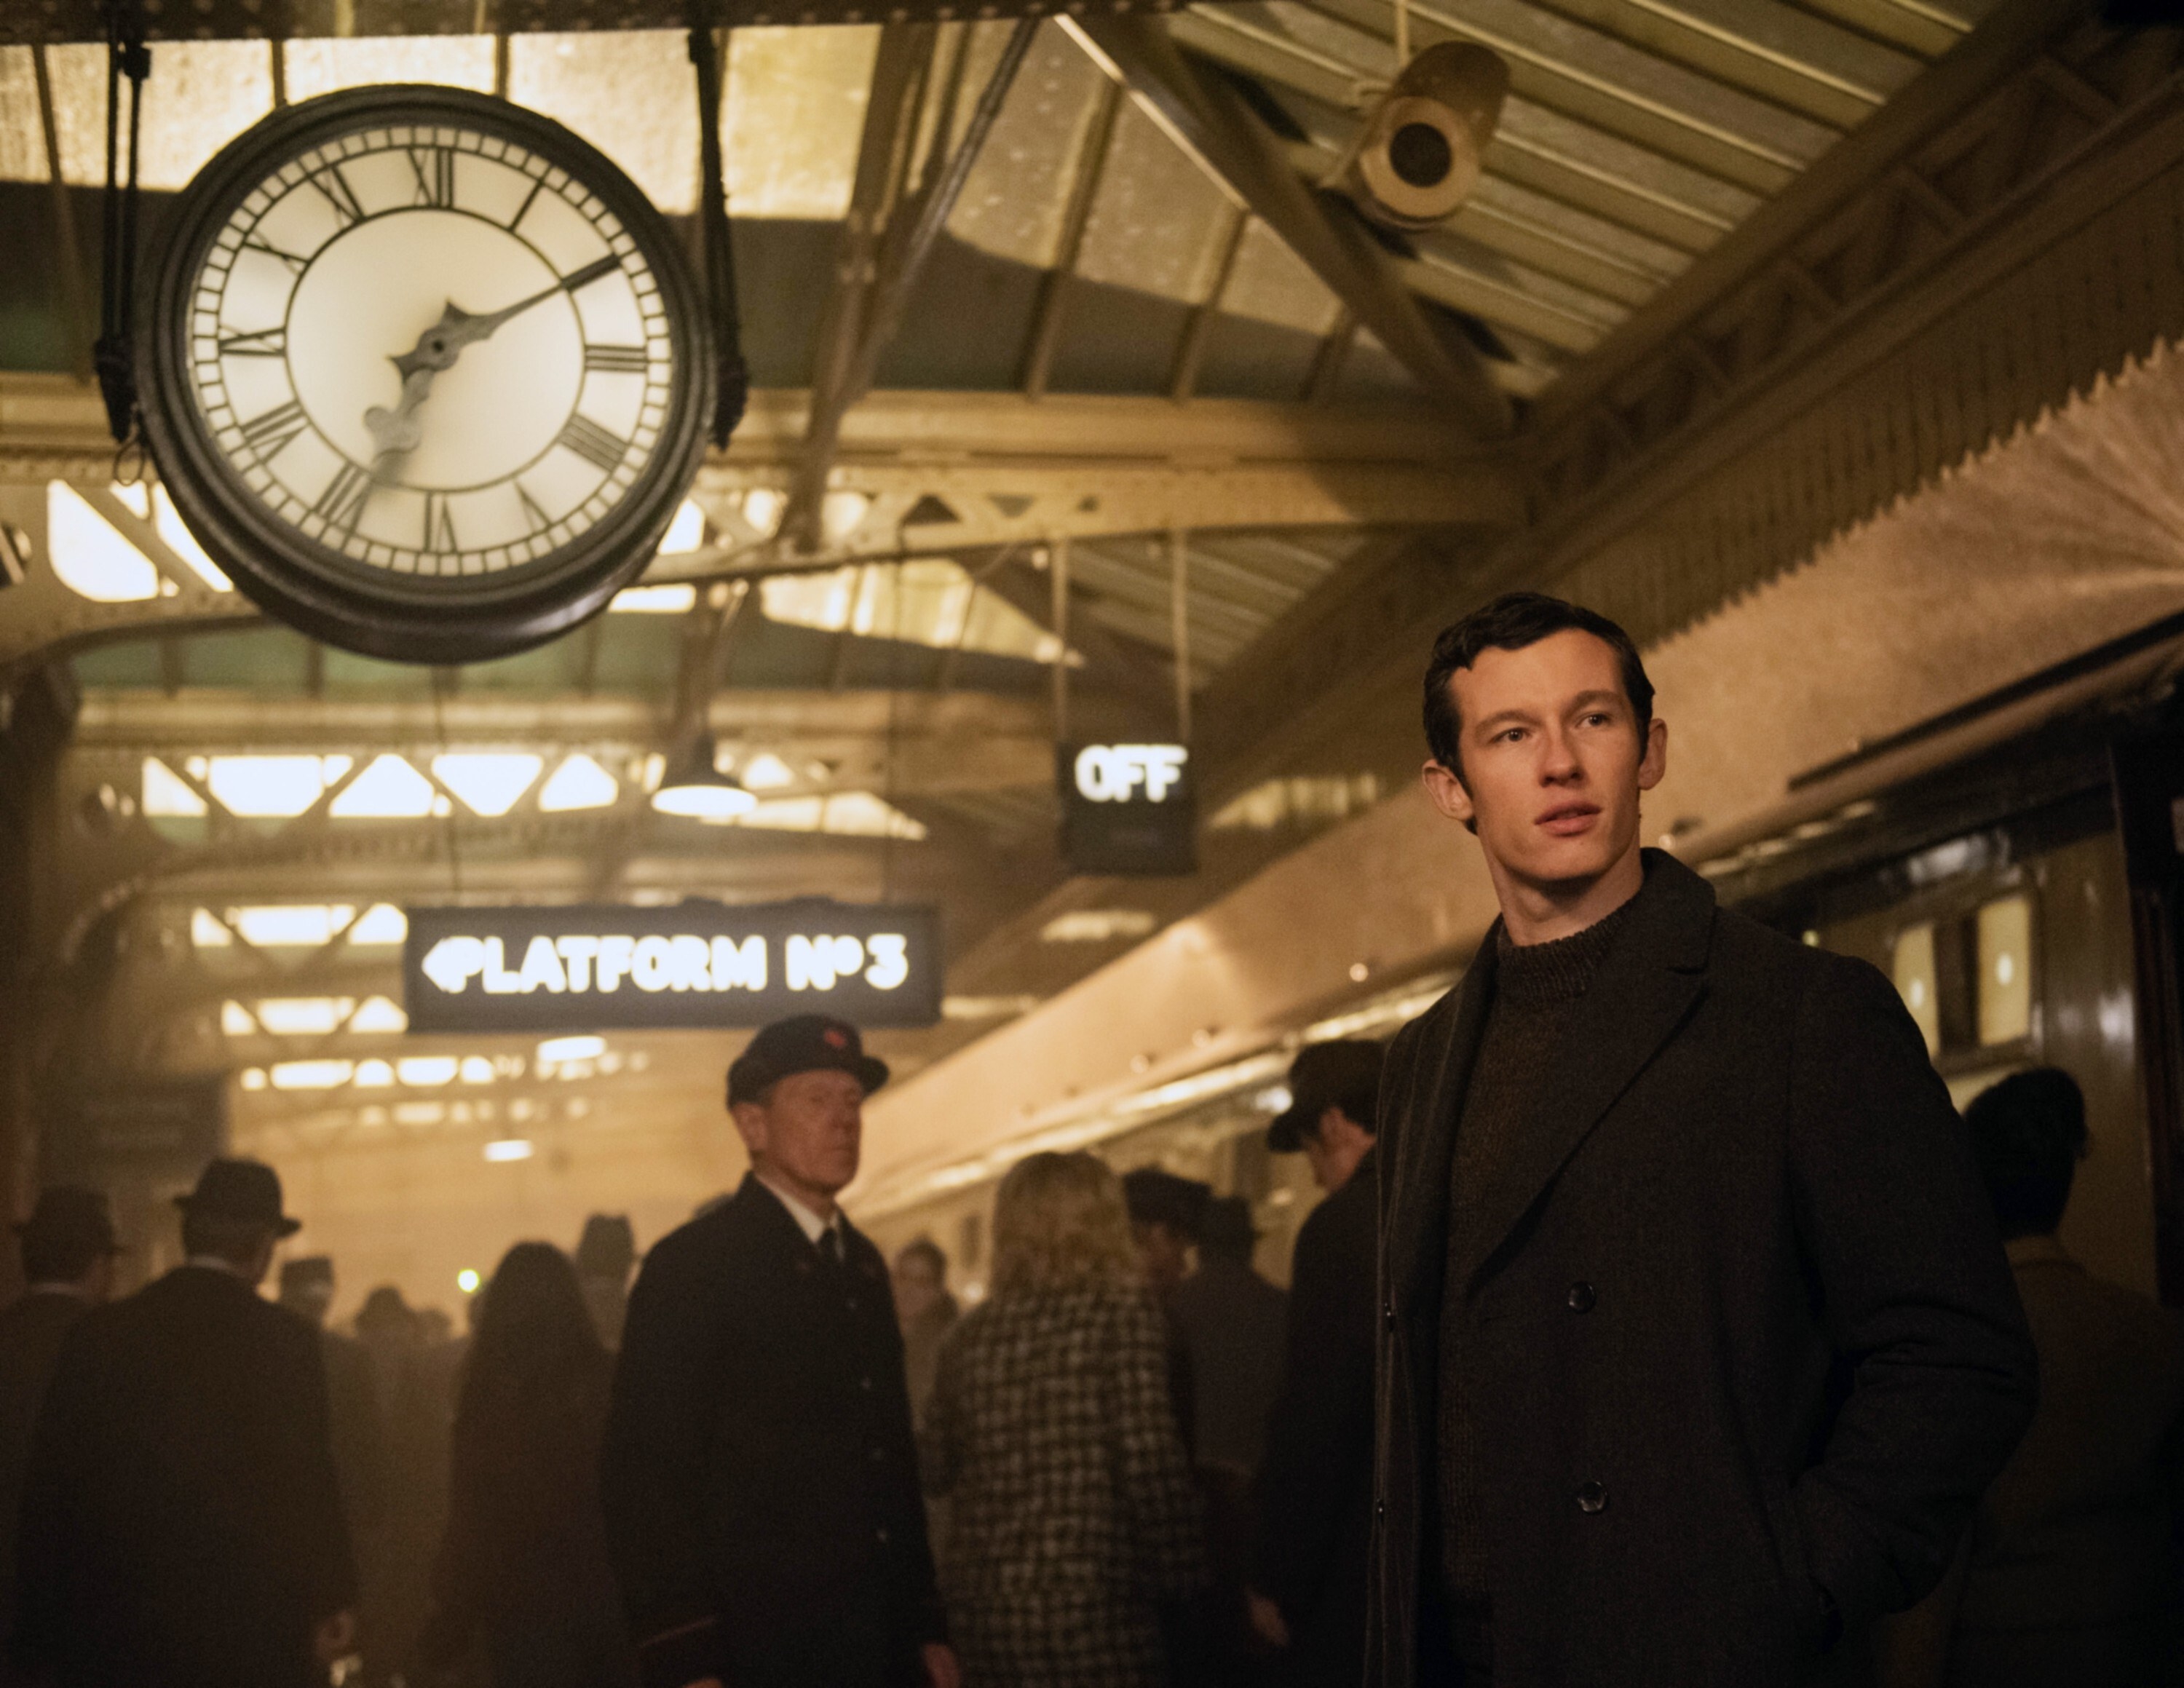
[761, 1475]
[1315, 1489]
[181, 1521]
[68, 1261]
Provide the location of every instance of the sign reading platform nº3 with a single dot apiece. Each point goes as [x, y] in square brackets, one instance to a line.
[608, 967]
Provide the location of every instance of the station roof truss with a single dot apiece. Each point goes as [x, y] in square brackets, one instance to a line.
[1735, 275]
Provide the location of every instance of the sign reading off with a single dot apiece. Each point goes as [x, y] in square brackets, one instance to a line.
[607, 966]
[1127, 808]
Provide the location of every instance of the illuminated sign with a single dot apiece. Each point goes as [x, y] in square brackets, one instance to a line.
[606, 966]
[1127, 809]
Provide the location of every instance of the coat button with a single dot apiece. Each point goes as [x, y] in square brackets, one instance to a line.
[1581, 1298]
[1380, 1509]
[866, 1384]
[1388, 1312]
[880, 1535]
[1592, 1497]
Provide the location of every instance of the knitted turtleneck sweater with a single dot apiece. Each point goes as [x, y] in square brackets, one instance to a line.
[1535, 986]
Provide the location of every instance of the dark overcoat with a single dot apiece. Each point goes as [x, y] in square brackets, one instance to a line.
[31, 1334]
[760, 1475]
[181, 1520]
[1743, 1345]
[1314, 1494]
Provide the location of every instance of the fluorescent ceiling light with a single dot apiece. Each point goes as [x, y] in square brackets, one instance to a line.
[272, 926]
[510, 1149]
[374, 1075]
[476, 1070]
[1098, 926]
[427, 1072]
[763, 508]
[674, 599]
[687, 532]
[558, 1050]
[272, 788]
[304, 1017]
[206, 933]
[986, 1007]
[90, 555]
[390, 788]
[253, 1079]
[579, 783]
[489, 781]
[311, 1075]
[235, 1021]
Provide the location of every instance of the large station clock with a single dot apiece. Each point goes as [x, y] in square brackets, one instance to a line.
[423, 371]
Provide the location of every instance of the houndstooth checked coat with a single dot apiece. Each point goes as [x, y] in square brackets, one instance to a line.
[1073, 1516]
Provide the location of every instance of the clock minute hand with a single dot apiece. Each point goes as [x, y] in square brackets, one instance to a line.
[395, 433]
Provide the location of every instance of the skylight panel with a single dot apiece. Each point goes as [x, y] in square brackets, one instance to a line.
[311, 1075]
[674, 599]
[303, 1016]
[579, 783]
[378, 1014]
[166, 794]
[389, 789]
[90, 555]
[490, 782]
[687, 532]
[272, 788]
[167, 522]
[380, 923]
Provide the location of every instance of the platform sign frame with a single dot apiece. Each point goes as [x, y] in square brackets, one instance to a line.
[702, 965]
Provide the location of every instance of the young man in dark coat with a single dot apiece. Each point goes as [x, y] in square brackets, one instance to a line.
[1314, 1496]
[760, 1475]
[181, 1521]
[68, 1261]
[1697, 1344]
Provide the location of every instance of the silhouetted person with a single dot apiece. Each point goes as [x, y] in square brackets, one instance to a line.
[359, 1442]
[925, 1312]
[761, 1475]
[181, 1521]
[413, 1384]
[2068, 1576]
[1072, 1518]
[605, 1254]
[1231, 1319]
[1314, 1496]
[1165, 1210]
[68, 1261]
[524, 1561]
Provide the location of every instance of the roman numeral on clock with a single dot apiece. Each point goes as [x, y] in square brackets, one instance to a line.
[440, 524]
[342, 502]
[269, 431]
[258, 342]
[592, 443]
[435, 167]
[616, 360]
[334, 187]
[532, 511]
[289, 258]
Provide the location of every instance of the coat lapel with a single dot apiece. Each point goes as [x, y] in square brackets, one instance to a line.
[1425, 1124]
[1647, 984]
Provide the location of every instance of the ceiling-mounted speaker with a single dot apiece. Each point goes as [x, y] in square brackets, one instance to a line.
[1420, 152]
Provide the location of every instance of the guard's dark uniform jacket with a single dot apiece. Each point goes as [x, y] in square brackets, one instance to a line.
[760, 1476]
[1741, 1338]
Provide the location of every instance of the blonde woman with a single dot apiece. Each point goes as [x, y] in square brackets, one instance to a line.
[1073, 1520]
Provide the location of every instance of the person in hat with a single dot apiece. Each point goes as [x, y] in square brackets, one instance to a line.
[604, 1254]
[760, 1476]
[1313, 1500]
[182, 1518]
[68, 1261]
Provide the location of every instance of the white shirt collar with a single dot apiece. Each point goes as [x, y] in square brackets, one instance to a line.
[807, 1222]
[212, 1263]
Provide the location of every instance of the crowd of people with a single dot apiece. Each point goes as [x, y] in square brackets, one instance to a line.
[1660, 1324]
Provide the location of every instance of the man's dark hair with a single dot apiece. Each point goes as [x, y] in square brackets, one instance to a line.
[57, 1256]
[2028, 1135]
[925, 1249]
[1511, 622]
[223, 1237]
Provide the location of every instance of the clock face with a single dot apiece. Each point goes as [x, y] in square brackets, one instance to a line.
[429, 366]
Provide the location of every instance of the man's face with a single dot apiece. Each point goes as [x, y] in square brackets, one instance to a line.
[1554, 759]
[810, 1128]
[1165, 1252]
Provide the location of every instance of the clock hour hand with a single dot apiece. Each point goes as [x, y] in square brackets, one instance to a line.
[395, 433]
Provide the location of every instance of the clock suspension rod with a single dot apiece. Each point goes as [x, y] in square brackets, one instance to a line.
[733, 389]
[113, 356]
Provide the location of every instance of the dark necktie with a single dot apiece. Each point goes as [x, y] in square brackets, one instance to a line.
[830, 1246]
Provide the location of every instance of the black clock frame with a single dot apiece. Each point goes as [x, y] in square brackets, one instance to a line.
[376, 612]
